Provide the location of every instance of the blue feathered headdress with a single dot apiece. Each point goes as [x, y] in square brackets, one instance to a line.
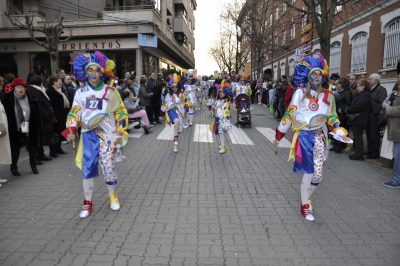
[228, 91]
[307, 65]
[84, 60]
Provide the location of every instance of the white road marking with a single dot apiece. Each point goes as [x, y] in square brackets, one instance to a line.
[270, 135]
[136, 134]
[238, 136]
[202, 133]
[167, 133]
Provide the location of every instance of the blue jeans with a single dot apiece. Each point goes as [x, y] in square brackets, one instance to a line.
[396, 166]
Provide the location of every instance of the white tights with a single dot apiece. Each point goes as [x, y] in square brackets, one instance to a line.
[306, 188]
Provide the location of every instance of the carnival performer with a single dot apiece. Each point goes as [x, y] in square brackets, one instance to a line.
[190, 100]
[311, 114]
[102, 116]
[221, 113]
[172, 107]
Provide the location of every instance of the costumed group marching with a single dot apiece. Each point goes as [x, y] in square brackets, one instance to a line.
[100, 116]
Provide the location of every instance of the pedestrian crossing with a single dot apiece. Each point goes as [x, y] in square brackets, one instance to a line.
[201, 133]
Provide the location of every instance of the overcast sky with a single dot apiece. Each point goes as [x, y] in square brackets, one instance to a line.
[206, 33]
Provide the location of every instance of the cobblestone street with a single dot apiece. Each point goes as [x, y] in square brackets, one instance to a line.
[198, 207]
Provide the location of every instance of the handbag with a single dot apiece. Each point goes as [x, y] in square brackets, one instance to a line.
[3, 130]
[352, 117]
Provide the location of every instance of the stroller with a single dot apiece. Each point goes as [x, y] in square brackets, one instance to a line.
[243, 110]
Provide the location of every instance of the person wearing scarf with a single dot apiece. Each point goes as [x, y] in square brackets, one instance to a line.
[21, 109]
[60, 104]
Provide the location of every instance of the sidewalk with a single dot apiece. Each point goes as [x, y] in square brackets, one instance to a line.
[197, 207]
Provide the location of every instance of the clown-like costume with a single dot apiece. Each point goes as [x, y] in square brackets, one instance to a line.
[173, 108]
[311, 114]
[101, 114]
[190, 102]
[221, 123]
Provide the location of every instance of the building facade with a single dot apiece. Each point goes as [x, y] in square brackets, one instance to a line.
[365, 39]
[143, 36]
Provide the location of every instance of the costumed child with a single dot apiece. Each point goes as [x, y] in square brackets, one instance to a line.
[190, 100]
[311, 114]
[221, 112]
[99, 111]
[172, 107]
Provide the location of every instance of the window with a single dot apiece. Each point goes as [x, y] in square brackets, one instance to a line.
[276, 38]
[270, 20]
[359, 52]
[190, 47]
[284, 7]
[335, 57]
[391, 54]
[293, 30]
[338, 9]
[304, 21]
[190, 25]
[283, 69]
[277, 13]
[275, 71]
[284, 38]
[292, 65]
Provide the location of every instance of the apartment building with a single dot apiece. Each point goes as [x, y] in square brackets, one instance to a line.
[365, 39]
[140, 35]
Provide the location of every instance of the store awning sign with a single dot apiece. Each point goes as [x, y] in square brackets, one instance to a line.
[147, 40]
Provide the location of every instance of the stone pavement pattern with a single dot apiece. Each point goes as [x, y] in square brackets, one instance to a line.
[200, 208]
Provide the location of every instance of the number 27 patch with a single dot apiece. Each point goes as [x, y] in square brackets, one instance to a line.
[94, 103]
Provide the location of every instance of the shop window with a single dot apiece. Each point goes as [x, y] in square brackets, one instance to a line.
[392, 47]
[335, 57]
[283, 69]
[292, 65]
[359, 52]
[284, 38]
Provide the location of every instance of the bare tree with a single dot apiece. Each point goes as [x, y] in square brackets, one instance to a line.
[223, 53]
[322, 14]
[52, 32]
[253, 21]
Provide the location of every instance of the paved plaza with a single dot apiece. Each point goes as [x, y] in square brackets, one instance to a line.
[197, 207]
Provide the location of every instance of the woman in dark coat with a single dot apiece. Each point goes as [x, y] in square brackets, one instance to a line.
[47, 136]
[22, 114]
[357, 114]
[61, 105]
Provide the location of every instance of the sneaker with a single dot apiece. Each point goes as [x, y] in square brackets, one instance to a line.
[3, 181]
[186, 125]
[87, 209]
[114, 202]
[190, 124]
[392, 184]
[222, 150]
[175, 148]
[307, 213]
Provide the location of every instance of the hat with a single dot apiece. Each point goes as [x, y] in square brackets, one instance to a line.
[84, 60]
[307, 65]
[18, 81]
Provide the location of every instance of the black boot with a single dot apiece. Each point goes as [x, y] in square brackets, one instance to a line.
[35, 170]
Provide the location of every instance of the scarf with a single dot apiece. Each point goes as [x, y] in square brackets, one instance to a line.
[66, 101]
[22, 109]
[42, 90]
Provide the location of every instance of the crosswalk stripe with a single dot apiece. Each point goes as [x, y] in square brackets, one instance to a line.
[270, 135]
[136, 134]
[238, 136]
[202, 133]
[167, 133]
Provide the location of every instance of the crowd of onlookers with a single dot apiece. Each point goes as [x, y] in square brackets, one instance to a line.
[37, 110]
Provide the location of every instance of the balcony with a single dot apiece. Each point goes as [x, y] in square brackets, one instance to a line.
[180, 25]
[36, 15]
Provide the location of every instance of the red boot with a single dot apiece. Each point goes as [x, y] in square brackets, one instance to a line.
[307, 212]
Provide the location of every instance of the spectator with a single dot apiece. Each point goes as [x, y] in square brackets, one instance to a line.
[46, 116]
[392, 110]
[151, 85]
[156, 99]
[357, 114]
[145, 95]
[70, 88]
[60, 104]
[281, 103]
[378, 95]
[5, 154]
[289, 93]
[22, 116]
[343, 100]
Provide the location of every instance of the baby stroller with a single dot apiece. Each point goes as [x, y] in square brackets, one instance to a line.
[243, 110]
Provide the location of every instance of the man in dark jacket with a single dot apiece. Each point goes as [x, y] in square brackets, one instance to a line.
[145, 95]
[156, 99]
[378, 95]
[151, 85]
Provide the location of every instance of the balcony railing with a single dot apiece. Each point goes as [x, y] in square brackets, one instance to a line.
[123, 8]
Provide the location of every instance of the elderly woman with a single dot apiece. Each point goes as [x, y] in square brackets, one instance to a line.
[60, 104]
[357, 114]
[22, 115]
[5, 155]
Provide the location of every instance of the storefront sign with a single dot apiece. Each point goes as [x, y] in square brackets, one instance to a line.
[147, 40]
